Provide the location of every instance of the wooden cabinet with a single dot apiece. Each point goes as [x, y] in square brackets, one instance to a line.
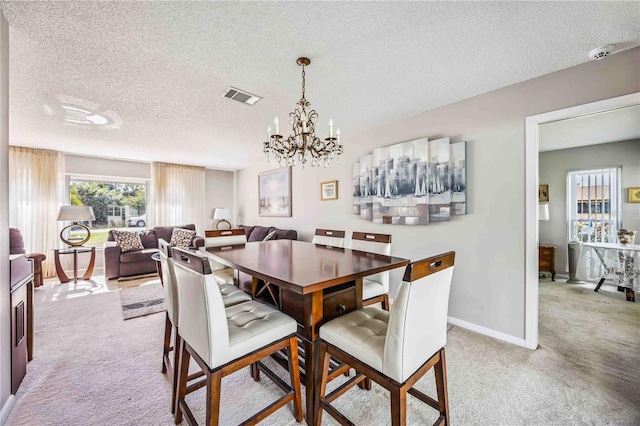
[546, 260]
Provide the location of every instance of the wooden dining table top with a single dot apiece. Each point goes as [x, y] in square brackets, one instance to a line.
[300, 266]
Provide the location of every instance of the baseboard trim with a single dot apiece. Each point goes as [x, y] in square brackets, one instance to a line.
[6, 408]
[487, 331]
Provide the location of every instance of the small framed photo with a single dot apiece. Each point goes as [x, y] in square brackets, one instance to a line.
[634, 195]
[543, 193]
[329, 190]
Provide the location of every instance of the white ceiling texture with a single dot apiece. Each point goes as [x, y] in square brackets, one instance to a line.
[143, 80]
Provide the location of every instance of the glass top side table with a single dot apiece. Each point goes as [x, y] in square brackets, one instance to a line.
[64, 278]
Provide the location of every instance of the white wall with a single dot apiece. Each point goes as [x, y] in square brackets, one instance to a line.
[5, 305]
[554, 166]
[488, 287]
[220, 193]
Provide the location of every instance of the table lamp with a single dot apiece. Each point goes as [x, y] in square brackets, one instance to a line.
[222, 215]
[75, 214]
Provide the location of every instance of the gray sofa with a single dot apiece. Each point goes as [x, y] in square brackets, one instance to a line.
[258, 233]
[118, 264]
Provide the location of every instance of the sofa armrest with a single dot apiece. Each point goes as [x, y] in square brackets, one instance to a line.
[112, 253]
[197, 242]
[37, 257]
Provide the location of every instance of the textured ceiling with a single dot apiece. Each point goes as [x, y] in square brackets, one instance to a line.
[610, 126]
[156, 70]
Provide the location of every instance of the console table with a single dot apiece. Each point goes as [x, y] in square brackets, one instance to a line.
[74, 250]
[622, 260]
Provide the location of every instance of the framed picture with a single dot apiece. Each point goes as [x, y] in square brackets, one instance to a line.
[329, 190]
[634, 195]
[274, 192]
[543, 193]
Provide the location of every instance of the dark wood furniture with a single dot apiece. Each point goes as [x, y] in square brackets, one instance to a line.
[21, 285]
[62, 276]
[317, 283]
[547, 260]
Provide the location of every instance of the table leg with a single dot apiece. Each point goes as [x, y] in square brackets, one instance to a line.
[75, 266]
[312, 376]
[92, 264]
[599, 284]
[631, 297]
[62, 276]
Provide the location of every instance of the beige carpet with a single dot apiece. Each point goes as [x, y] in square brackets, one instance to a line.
[93, 368]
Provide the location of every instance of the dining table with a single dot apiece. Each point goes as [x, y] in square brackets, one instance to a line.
[316, 283]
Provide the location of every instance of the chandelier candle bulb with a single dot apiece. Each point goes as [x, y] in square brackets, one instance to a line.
[277, 129]
[269, 132]
[330, 128]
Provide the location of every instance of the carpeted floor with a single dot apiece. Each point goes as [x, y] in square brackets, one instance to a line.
[91, 367]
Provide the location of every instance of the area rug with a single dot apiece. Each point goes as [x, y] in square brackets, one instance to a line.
[145, 299]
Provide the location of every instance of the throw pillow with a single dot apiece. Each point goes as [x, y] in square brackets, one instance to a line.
[271, 235]
[128, 241]
[181, 238]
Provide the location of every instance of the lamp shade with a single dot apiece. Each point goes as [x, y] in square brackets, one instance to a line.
[543, 211]
[75, 213]
[222, 214]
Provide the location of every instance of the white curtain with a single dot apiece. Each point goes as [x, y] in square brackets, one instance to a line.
[178, 195]
[36, 191]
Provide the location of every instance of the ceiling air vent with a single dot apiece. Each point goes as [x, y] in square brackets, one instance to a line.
[240, 96]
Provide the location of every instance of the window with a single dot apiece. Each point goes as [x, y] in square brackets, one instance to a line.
[593, 205]
[115, 204]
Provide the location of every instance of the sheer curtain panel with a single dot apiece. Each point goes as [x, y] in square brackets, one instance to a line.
[178, 195]
[36, 191]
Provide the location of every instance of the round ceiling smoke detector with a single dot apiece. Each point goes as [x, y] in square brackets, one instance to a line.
[601, 52]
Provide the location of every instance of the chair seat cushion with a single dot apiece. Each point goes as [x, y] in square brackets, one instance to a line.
[360, 333]
[232, 295]
[252, 325]
[224, 276]
[371, 288]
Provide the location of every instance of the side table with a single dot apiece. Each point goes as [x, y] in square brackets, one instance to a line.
[547, 259]
[74, 250]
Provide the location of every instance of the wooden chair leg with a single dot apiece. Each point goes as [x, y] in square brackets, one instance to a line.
[398, 407]
[176, 370]
[294, 372]
[182, 378]
[321, 386]
[167, 342]
[385, 302]
[440, 370]
[255, 371]
[214, 383]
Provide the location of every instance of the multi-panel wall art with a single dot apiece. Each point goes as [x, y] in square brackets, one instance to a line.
[411, 183]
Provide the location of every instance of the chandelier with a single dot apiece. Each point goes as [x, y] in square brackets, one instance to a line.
[303, 143]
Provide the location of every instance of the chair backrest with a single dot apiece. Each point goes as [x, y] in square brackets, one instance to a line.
[373, 243]
[169, 281]
[329, 237]
[201, 315]
[417, 326]
[223, 238]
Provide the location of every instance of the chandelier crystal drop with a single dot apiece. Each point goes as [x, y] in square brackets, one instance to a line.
[303, 143]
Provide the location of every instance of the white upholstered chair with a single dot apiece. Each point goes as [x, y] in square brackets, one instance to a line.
[329, 237]
[171, 323]
[223, 340]
[395, 349]
[375, 288]
[224, 275]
